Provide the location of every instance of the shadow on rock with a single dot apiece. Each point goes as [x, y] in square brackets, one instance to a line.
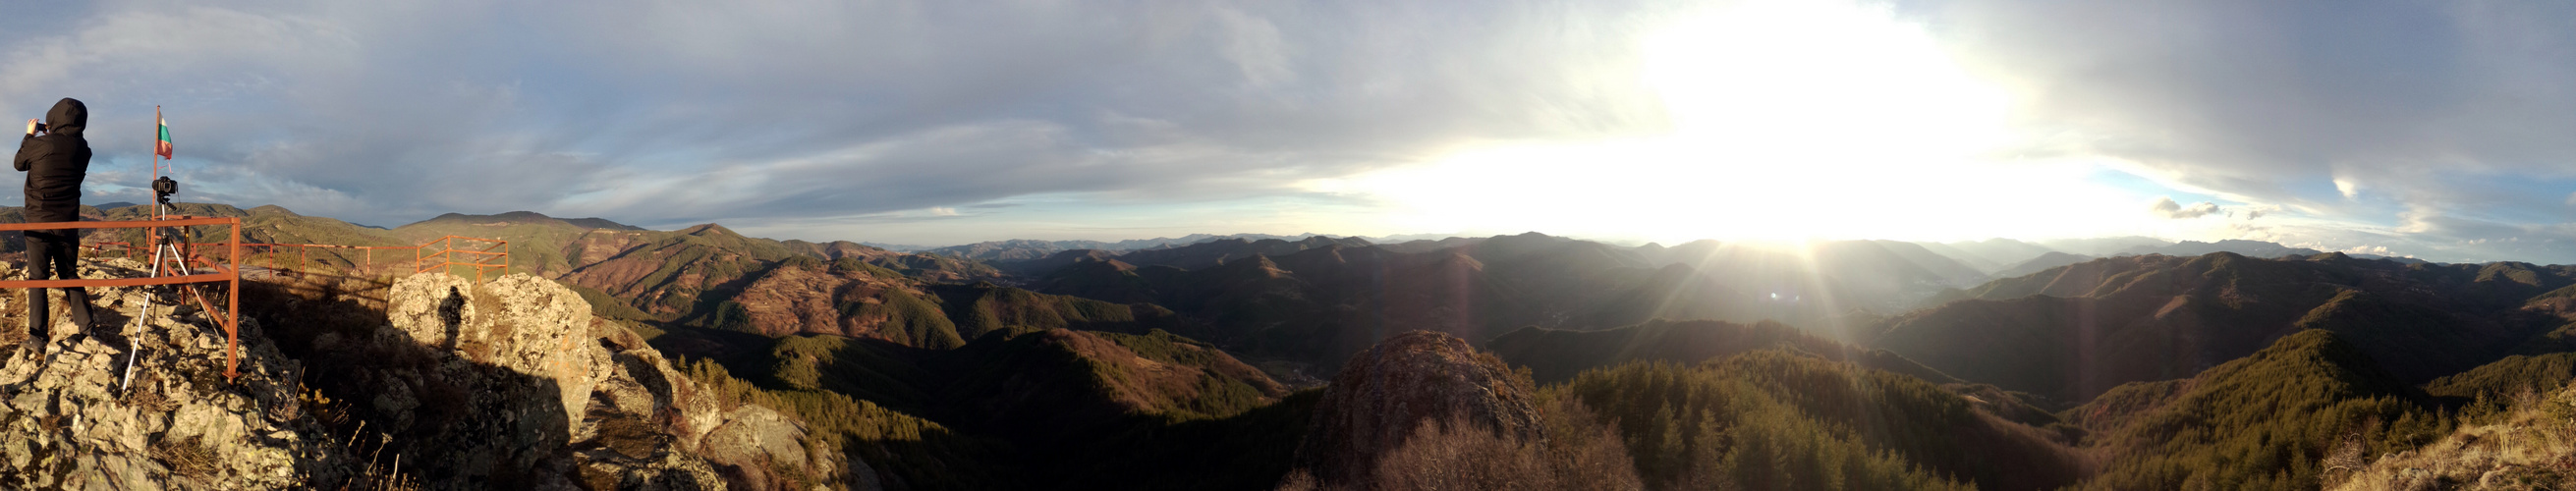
[511, 384]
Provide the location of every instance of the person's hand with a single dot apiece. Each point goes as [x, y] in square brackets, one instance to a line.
[31, 126]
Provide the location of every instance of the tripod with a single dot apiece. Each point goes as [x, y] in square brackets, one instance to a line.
[168, 246]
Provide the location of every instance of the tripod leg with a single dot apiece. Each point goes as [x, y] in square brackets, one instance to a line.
[133, 348]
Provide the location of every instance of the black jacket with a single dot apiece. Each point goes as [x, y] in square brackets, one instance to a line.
[55, 163]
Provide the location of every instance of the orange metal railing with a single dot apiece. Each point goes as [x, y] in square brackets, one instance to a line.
[448, 253]
[438, 254]
[230, 274]
[425, 257]
[270, 255]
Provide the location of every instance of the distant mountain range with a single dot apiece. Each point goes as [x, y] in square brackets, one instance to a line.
[1026, 249]
[1990, 257]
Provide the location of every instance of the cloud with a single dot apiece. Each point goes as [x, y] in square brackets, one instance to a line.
[2166, 207]
[409, 109]
[2397, 124]
[2262, 99]
[2439, 223]
[2355, 111]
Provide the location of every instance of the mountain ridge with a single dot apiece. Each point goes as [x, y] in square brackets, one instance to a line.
[2155, 317]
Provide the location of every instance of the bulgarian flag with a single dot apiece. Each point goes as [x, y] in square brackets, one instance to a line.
[162, 146]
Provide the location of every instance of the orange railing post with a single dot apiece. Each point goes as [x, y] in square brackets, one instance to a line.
[232, 327]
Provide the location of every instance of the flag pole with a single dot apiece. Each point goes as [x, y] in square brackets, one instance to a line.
[155, 241]
[151, 239]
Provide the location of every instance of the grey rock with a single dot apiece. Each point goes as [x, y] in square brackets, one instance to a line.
[69, 427]
[507, 383]
[751, 438]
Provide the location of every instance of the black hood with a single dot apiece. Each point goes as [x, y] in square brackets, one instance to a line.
[68, 118]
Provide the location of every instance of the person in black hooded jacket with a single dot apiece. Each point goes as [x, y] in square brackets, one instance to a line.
[55, 163]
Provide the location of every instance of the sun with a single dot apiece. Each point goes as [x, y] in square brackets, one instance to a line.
[1800, 79]
[1786, 121]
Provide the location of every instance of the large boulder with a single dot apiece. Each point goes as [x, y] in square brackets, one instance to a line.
[1385, 393]
[529, 326]
[551, 394]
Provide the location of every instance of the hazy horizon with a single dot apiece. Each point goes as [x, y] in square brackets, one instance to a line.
[2049, 243]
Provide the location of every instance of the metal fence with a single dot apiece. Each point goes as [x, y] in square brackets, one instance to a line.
[444, 252]
[227, 271]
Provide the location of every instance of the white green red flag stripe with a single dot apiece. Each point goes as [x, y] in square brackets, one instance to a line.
[162, 147]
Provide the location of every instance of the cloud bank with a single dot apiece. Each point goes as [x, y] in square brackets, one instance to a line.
[676, 112]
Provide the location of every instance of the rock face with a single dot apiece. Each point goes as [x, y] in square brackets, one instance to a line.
[66, 424]
[514, 382]
[1385, 393]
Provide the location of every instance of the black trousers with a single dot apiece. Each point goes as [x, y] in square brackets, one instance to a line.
[52, 253]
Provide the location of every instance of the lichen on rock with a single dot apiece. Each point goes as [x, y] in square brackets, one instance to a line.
[67, 425]
[553, 395]
[508, 383]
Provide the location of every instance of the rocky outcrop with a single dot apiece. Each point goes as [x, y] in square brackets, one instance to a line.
[520, 384]
[442, 383]
[507, 384]
[1385, 393]
[67, 424]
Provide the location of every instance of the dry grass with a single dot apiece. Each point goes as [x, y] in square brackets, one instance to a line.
[186, 457]
[2533, 448]
[285, 410]
[148, 395]
[151, 398]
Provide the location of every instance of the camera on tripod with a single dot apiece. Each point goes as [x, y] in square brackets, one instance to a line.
[162, 189]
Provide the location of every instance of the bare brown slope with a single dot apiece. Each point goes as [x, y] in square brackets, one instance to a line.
[1053, 381]
[842, 299]
[711, 276]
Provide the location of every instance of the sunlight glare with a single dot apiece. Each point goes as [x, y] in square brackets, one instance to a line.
[1790, 121]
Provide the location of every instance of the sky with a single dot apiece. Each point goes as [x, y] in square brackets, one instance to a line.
[2438, 130]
